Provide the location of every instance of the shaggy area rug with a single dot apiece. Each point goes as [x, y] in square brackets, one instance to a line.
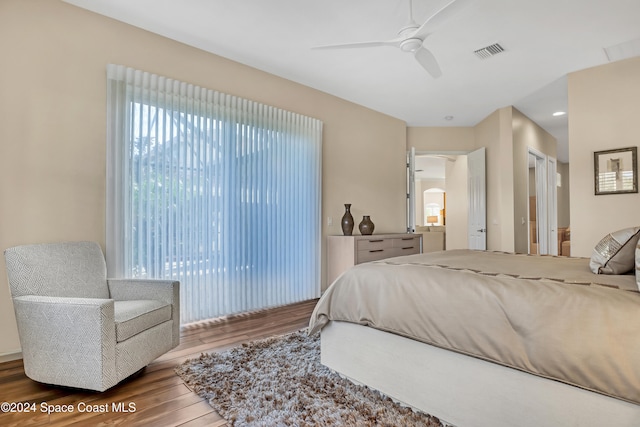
[280, 382]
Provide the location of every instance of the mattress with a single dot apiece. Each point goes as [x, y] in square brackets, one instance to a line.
[548, 316]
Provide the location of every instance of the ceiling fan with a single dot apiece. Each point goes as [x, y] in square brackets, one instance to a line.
[411, 37]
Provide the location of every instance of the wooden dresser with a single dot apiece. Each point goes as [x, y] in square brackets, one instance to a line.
[346, 251]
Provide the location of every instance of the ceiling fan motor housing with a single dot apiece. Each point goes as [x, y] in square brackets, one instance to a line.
[410, 45]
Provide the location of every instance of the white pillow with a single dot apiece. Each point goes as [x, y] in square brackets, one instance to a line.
[616, 252]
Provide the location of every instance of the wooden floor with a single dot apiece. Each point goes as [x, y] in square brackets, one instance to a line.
[156, 396]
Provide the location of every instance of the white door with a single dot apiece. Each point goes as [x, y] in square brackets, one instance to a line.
[542, 211]
[546, 197]
[552, 205]
[477, 199]
[411, 190]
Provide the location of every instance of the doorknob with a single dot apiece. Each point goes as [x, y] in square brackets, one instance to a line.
[482, 230]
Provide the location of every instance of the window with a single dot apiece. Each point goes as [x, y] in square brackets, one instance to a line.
[216, 191]
[433, 200]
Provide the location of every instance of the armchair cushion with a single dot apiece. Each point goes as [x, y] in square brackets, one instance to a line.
[167, 291]
[133, 317]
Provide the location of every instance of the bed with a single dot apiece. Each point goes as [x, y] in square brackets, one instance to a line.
[489, 339]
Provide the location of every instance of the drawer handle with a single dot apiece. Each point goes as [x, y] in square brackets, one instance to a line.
[376, 241]
[407, 238]
[408, 247]
[377, 250]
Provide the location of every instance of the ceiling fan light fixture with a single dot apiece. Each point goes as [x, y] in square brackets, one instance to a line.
[410, 45]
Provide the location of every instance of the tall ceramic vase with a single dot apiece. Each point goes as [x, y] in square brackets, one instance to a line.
[366, 226]
[347, 220]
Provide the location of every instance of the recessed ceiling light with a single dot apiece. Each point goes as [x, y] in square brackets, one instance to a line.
[559, 113]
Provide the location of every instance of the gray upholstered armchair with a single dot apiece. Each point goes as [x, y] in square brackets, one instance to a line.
[79, 329]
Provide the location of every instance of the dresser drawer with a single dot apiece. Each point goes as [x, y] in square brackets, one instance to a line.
[406, 242]
[377, 249]
[374, 244]
[374, 255]
[406, 250]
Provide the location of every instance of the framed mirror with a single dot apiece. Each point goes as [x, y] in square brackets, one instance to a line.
[616, 171]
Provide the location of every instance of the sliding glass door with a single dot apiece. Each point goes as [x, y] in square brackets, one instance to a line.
[218, 192]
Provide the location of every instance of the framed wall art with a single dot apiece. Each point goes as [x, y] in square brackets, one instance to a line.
[616, 171]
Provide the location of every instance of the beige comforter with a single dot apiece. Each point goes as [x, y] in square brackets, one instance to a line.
[549, 316]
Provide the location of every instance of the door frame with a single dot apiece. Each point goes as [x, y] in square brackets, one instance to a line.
[411, 196]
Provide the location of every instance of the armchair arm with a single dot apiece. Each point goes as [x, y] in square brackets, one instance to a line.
[51, 329]
[167, 291]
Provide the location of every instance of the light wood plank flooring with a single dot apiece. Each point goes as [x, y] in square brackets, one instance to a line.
[158, 394]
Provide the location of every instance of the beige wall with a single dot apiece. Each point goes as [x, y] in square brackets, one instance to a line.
[495, 133]
[441, 139]
[526, 134]
[52, 134]
[604, 109]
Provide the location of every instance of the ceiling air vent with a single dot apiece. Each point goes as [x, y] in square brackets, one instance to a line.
[489, 51]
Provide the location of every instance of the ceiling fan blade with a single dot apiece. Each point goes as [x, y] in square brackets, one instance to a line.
[440, 16]
[392, 42]
[428, 62]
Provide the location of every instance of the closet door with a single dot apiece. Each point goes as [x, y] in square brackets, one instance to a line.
[477, 230]
[552, 205]
[411, 190]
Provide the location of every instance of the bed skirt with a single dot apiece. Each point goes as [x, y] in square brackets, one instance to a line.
[461, 390]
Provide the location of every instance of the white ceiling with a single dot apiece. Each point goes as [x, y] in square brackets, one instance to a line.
[543, 41]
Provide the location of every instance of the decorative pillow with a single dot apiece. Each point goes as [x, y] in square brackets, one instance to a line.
[615, 253]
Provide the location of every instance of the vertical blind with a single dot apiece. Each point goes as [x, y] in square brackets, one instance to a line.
[216, 191]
